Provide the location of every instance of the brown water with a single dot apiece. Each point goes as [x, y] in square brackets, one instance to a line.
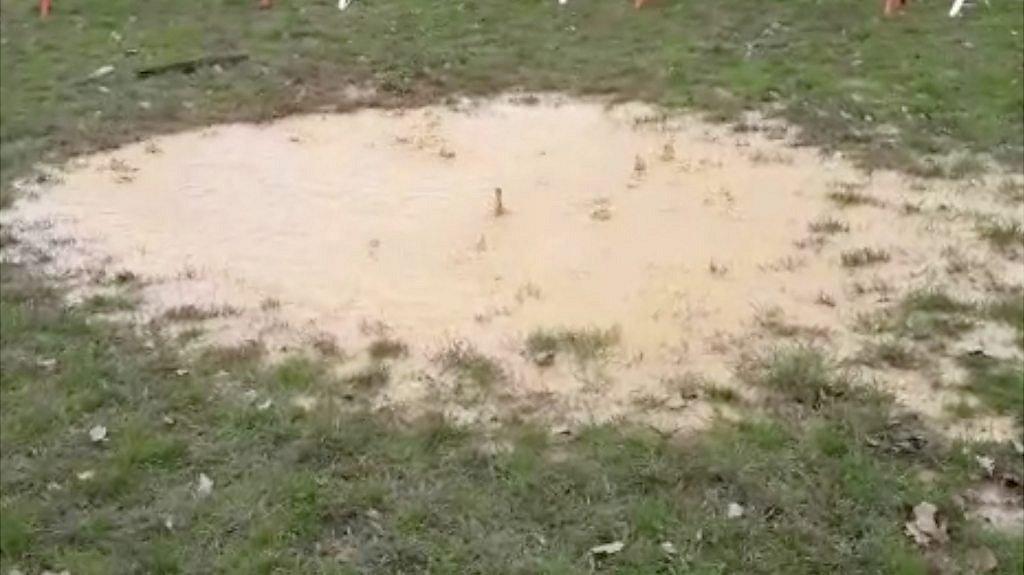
[678, 234]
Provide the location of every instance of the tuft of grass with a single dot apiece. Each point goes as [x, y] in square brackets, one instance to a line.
[469, 365]
[848, 197]
[194, 313]
[245, 354]
[892, 352]
[583, 344]
[297, 373]
[1012, 190]
[864, 257]
[387, 348]
[16, 532]
[1003, 235]
[966, 166]
[108, 303]
[829, 226]
[326, 345]
[719, 393]
[802, 374]
[923, 314]
[961, 410]
[998, 384]
[773, 321]
[371, 377]
[1009, 309]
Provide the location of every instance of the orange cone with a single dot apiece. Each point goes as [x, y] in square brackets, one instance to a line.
[44, 8]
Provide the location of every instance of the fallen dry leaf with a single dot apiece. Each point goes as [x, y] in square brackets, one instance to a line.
[98, 433]
[924, 528]
[734, 511]
[304, 402]
[204, 486]
[607, 549]
[986, 463]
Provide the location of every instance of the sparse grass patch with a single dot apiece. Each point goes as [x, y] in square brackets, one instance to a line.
[583, 344]
[801, 373]
[850, 197]
[932, 300]
[327, 346]
[1009, 309]
[719, 393]
[193, 313]
[965, 166]
[244, 355]
[297, 373]
[387, 348]
[370, 377]
[961, 409]
[864, 257]
[891, 352]
[422, 496]
[773, 321]
[922, 314]
[1012, 190]
[1003, 235]
[16, 532]
[108, 303]
[829, 226]
[469, 365]
[998, 384]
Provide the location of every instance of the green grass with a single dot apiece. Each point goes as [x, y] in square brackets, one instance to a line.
[354, 492]
[837, 69]
[799, 373]
[998, 384]
[1009, 309]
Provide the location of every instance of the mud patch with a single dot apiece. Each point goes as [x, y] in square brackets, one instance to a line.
[485, 225]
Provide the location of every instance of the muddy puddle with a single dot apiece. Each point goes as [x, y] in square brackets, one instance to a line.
[685, 243]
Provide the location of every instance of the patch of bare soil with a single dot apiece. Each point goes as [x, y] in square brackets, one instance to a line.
[687, 242]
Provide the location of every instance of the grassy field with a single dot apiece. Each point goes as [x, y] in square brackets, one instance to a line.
[825, 477]
[825, 474]
[886, 90]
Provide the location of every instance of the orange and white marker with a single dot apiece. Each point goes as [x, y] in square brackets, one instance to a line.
[44, 8]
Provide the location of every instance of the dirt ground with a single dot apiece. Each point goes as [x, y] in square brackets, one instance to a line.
[666, 244]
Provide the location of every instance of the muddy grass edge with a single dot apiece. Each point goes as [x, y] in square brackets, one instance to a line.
[66, 370]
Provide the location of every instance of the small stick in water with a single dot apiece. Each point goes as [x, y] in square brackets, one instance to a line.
[499, 208]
